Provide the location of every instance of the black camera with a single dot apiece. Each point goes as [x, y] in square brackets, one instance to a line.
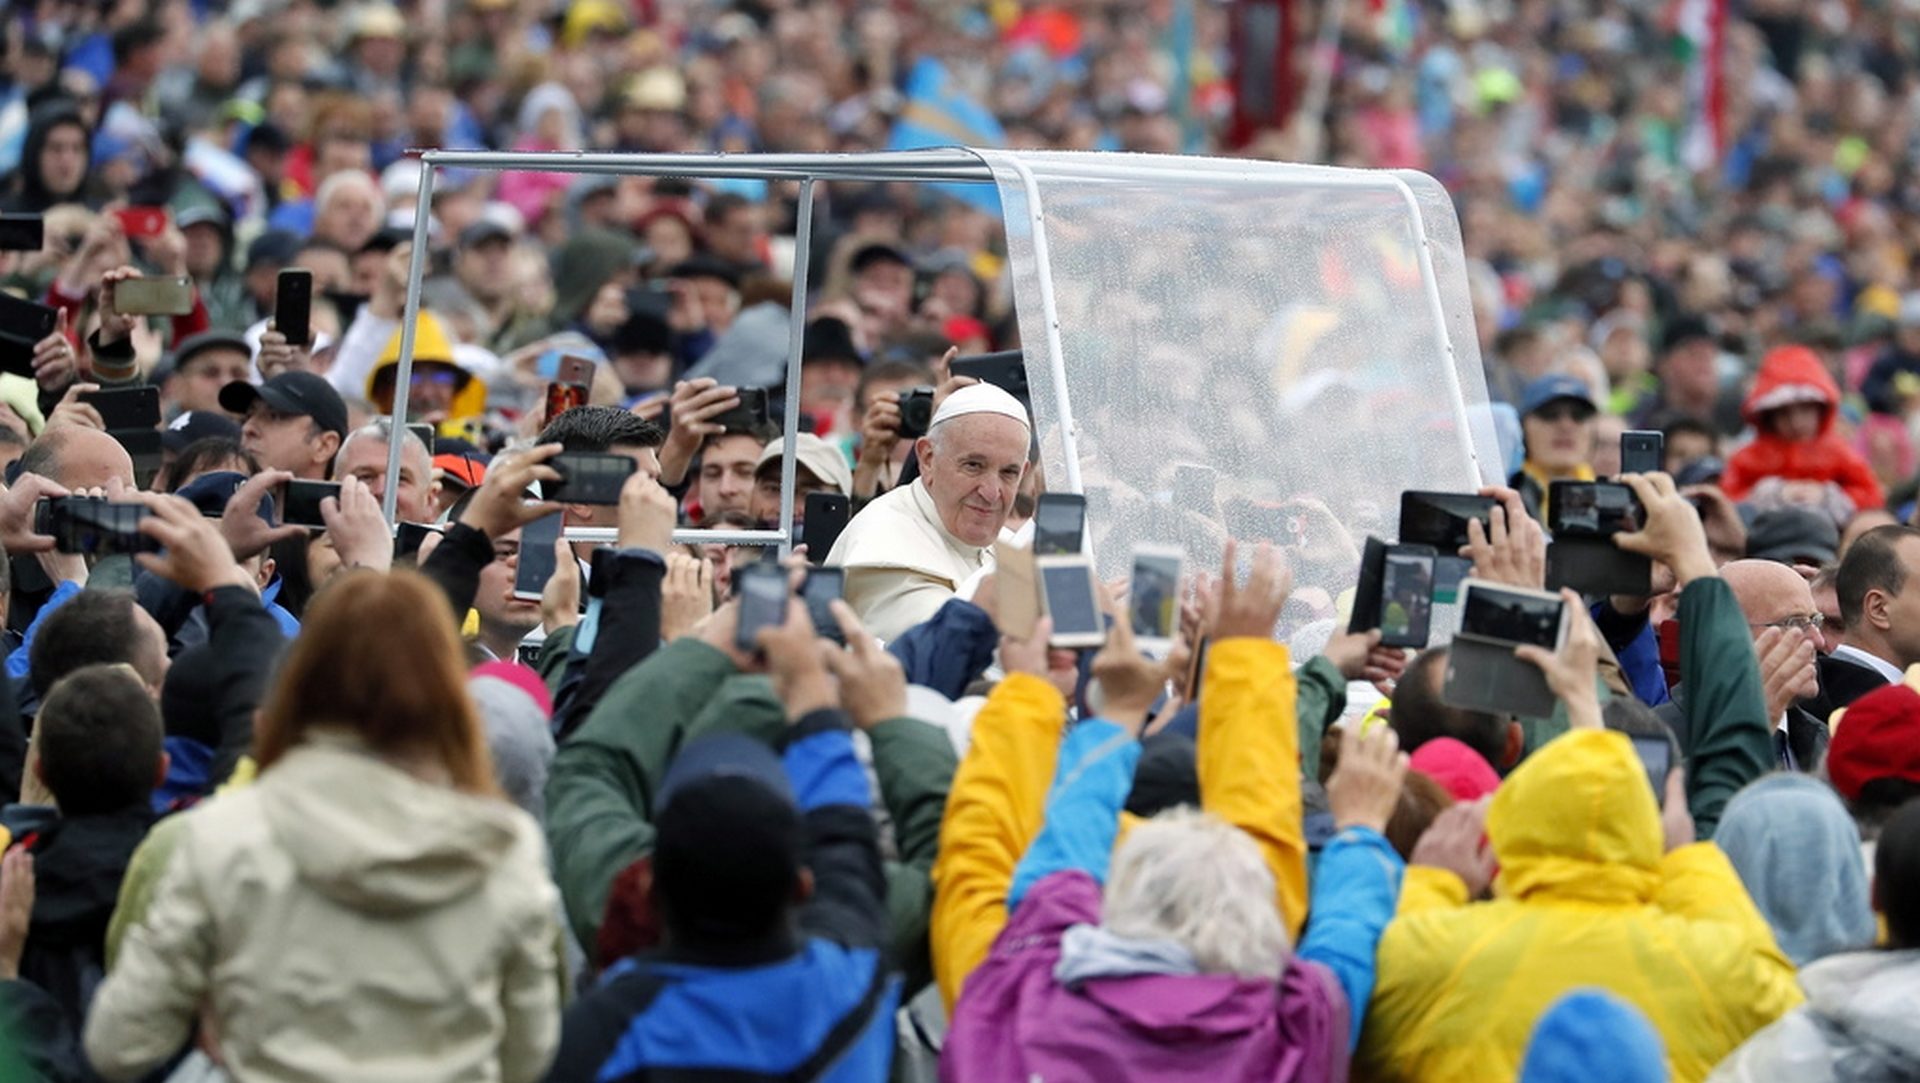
[916, 413]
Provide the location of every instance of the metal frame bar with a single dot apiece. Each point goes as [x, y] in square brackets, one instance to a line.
[938, 166]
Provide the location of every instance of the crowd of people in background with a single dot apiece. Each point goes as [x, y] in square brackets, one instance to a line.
[294, 802]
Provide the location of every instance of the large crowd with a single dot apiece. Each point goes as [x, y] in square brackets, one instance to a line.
[296, 792]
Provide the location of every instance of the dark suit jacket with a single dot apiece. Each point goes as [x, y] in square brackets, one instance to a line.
[1842, 682]
[1806, 732]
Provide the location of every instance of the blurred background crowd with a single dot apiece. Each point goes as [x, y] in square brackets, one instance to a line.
[1653, 194]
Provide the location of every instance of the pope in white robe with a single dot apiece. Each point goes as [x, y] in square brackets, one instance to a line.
[906, 553]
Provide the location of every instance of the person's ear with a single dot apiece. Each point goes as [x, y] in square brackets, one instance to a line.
[160, 774]
[923, 448]
[268, 567]
[802, 886]
[1874, 608]
[327, 448]
[1516, 747]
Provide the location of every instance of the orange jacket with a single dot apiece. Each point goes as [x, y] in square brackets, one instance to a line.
[1824, 458]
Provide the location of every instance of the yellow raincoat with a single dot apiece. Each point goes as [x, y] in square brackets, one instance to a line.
[1584, 898]
[1248, 752]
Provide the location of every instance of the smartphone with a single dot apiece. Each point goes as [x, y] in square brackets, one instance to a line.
[293, 305]
[763, 603]
[1059, 521]
[1016, 591]
[1194, 488]
[408, 537]
[95, 527]
[571, 385]
[1592, 509]
[1067, 591]
[827, 514]
[126, 408]
[22, 232]
[1656, 755]
[537, 556]
[303, 503]
[25, 321]
[751, 414]
[1440, 519]
[425, 432]
[169, 295]
[1643, 451]
[1153, 604]
[1483, 674]
[1006, 370]
[142, 222]
[588, 477]
[1395, 593]
[1513, 615]
[822, 587]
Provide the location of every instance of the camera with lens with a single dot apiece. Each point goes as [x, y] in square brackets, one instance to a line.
[916, 413]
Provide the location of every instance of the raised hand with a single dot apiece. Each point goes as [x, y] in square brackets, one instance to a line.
[1511, 549]
[873, 687]
[1251, 610]
[1455, 841]
[1571, 671]
[1366, 786]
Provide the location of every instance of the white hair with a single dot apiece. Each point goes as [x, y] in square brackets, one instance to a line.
[380, 430]
[336, 185]
[1192, 878]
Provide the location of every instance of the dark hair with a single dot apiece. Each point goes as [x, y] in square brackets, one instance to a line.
[203, 455]
[724, 204]
[1421, 800]
[1873, 807]
[1896, 871]
[95, 627]
[1689, 426]
[99, 737]
[765, 433]
[42, 456]
[135, 35]
[1419, 716]
[601, 428]
[10, 437]
[1872, 563]
[888, 371]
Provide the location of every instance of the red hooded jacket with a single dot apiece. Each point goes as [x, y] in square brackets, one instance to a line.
[1824, 458]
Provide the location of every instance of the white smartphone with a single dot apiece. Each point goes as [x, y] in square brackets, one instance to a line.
[1067, 590]
[1153, 603]
[1513, 615]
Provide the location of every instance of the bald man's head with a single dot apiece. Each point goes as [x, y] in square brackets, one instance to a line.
[78, 458]
[1769, 592]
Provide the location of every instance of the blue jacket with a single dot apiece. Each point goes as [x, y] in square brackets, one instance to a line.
[813, 1002]
[1356, 883]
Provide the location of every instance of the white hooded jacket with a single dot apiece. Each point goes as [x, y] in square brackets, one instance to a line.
[1860, 1024]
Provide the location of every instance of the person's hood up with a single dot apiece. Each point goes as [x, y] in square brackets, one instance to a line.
[1783, 833]
[1788, 375]
[581, 265]
[33, 194]
[371, 837]
[1592, 1036]
[431, 343]
[1577, 820]
[1869, 996]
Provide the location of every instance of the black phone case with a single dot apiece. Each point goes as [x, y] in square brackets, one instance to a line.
[1485, 675]
[827, 516]
[1366, 593]
[1597, 566]
[1421, 519]
[293, 307]
[120, 409]
[1006, 370]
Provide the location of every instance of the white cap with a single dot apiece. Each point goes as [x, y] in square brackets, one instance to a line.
[980, 399]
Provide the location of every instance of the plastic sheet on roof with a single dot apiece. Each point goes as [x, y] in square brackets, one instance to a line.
[1249, 349]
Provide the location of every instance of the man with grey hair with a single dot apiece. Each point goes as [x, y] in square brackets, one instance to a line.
[906, 553]
[364, 456]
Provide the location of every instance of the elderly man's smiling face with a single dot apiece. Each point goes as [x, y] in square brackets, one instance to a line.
[972, 465]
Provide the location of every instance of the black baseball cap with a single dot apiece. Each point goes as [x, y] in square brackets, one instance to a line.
[300, 393]
[197, 425]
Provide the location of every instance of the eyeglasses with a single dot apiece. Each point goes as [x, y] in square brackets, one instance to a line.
[1563, 411]
[1796, 624]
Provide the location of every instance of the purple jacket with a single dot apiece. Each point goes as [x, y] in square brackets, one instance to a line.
[1015, 1023]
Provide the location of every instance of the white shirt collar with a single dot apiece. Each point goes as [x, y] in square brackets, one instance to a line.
[1871, 661]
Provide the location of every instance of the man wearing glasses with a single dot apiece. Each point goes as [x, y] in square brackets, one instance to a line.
[1780, 612]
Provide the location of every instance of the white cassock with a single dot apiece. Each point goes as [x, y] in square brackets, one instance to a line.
[901, 563]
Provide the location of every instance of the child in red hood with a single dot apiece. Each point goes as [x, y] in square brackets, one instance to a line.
[1791, 410]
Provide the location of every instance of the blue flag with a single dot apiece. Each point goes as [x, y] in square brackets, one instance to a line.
[938, 114]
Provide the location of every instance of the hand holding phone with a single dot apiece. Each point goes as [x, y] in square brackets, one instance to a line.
[588, 477]
[763, 604]
[1153, 605]
[538, 559]
[1484, 672]
[1059, 523]
[293, 306]
[166, 295]
[1643, 451]
[1572, 668]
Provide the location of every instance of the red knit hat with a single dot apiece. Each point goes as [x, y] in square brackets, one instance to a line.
[1877, 737]
[1463, 772]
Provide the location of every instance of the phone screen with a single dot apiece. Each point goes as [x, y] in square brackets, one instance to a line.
[1656, 755]
[763, 603]
[1070, 600]
[537, 560]
[822, 587]
[589, 477]
[303, 502]
[1592, 509]
[1512, 616]
[1406, 598]
[1058, 520]
[1440, 519]
[1154, 602]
